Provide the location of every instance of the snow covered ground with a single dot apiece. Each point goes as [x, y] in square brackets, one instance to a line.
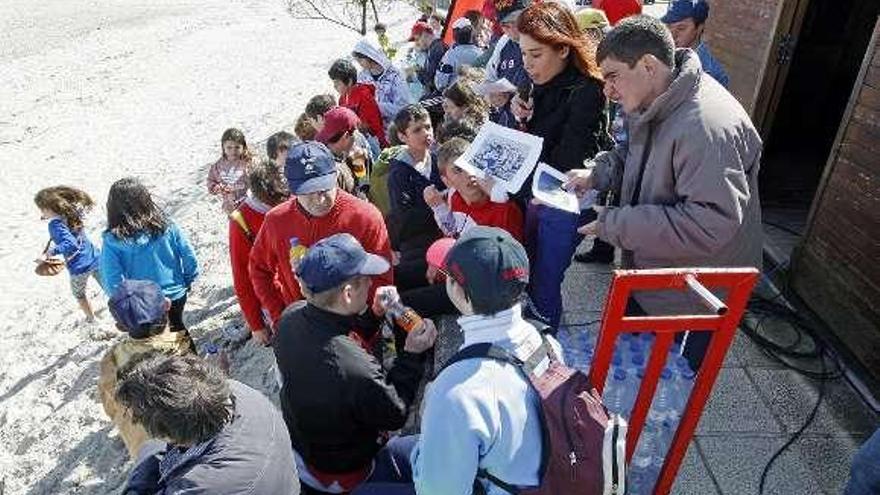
[94, 91]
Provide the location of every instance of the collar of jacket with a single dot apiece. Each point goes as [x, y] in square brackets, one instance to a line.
[336, 323]
[569, 76]
[685, 82]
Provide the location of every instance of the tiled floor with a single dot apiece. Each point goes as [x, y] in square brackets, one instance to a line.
[756, 405]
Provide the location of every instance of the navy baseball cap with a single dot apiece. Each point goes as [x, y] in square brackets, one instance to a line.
[136, 304]
[679, 10]
[491, 266]
[335, 259]
[310, 167]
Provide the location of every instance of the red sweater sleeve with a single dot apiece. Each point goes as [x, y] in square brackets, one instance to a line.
[368, 112]
[239, 253]
[375, 240]
[263, 266]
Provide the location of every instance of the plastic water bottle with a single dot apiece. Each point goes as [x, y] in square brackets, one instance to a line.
[216, 355]
[664, 403]
[643, 471]
[684, 383]
[637, 363]
[618, 393]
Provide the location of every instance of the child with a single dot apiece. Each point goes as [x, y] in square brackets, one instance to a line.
[463, 53]
[277, 146]
[268, 189]
[142, 243]
[317, 106]
[382, 35]
[64, 208]
[350, 150]
[461, 102]
[392, 92]
[410, 221]
[227, 177]
[360, 98]
[467, 202]
[498, 94]
[141, 311]
[305, 128]
[428, 52]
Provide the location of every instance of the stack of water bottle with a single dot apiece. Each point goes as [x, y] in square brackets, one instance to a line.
[624, 378]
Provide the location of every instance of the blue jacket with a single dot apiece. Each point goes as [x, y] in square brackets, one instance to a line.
[406, 184]
[510, 64]
[250, 455]
[80, 255]
[168, 260]
[453, 60]
[711, 65]
[482, 414]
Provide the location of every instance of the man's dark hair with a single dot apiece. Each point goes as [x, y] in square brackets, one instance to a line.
[409, 114]
[277, 140]
[635, 37]
[450, 151]
[182, 398]
[343, 70]
[319, 105]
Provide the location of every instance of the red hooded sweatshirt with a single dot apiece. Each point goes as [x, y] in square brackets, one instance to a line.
[288, 232]
[361, 99]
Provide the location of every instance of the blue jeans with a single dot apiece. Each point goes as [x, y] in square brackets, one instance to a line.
[392, 474]
[551, 239]
[864, 475]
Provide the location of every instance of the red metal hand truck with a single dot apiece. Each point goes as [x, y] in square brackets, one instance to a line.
[737, 283]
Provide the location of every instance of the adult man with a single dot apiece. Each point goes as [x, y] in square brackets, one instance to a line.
[316, 210]
[337, 401]
[140, 310]
[218, 436]
[687, 21]
[482, 414]
[688, 185]
[506, 61]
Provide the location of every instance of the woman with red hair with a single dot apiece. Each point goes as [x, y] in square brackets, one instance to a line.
[568, 109]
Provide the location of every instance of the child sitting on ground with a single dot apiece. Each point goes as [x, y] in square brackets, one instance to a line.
[228, 177]
[141, 311]
[469, 201]
[268, 189]
[360, 98]
[64, 208]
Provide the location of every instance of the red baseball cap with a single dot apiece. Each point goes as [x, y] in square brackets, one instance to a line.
[337, 120]
[419, 28]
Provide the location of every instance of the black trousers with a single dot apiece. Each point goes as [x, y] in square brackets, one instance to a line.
[175, 314]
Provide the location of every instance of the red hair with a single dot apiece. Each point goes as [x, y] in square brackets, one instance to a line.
[552, 24]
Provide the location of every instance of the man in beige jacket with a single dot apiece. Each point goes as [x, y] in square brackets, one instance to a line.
[141, 310]
[688, 177]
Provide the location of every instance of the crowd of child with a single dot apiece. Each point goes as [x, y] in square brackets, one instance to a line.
[366, 194]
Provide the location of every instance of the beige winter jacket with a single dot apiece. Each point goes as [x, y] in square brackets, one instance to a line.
[698, 205]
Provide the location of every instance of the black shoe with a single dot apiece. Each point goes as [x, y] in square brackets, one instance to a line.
[595, 256]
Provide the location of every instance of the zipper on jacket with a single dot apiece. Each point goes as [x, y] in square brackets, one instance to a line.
[572, 454]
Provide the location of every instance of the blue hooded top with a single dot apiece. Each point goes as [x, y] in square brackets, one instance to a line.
[80, 255]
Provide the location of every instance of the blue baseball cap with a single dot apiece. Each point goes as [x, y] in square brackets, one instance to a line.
[335, 259]
[679, 10]
[310, 167]
[136, 304]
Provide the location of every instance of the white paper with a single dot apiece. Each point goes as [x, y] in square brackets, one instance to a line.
[507, 155]
[547, 189]
[500, 86]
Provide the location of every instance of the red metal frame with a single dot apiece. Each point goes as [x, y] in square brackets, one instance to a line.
[736, 282]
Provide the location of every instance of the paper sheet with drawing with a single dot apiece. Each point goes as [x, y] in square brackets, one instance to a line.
[547, 189]
[507, 155]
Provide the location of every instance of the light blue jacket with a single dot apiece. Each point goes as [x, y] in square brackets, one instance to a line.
[392, 91]
[167, 259]
[482, 414]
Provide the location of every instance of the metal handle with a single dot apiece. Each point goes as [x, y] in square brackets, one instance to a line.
[706, 296]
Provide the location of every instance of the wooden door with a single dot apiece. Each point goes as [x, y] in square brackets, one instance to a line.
[835, 269]
[754, 40]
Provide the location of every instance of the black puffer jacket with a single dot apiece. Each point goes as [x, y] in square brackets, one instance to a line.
[336, 400]
[570, 115]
